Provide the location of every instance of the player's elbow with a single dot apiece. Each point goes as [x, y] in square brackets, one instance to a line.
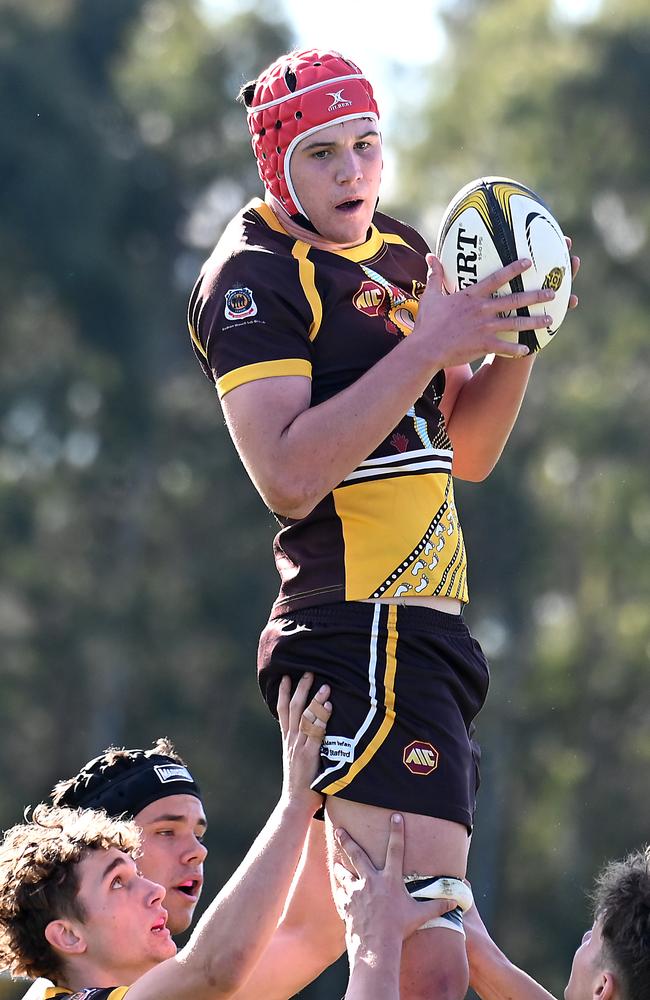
[288, 496]
[226, 974]
[473, 473]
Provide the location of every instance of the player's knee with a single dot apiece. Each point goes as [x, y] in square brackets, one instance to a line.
[449, 980]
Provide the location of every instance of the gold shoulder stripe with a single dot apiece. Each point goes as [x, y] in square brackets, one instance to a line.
[394, 238]
[118, 993]
[307, 275]
[366, 250]
[389, 708]
[54, 992]
[268, 215]
[262, 369]
[195, 340]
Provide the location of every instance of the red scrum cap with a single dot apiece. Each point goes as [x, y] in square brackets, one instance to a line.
[295, 96]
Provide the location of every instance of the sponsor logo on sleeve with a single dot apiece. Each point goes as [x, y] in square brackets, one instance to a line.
[240, 304]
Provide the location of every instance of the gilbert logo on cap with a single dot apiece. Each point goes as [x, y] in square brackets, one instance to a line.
[338, 101]
[172, 772]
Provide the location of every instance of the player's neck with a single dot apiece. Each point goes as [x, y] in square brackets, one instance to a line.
[85, 974]
[300, 232]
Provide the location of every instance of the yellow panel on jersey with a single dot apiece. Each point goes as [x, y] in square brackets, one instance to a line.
[389, 708]
[401, 535]
[263, 369]
[308, 282]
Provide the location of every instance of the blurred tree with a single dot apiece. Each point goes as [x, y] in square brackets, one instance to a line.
[558, 538]
[136, 556]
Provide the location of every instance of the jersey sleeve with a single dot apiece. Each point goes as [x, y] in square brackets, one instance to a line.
[251, 319]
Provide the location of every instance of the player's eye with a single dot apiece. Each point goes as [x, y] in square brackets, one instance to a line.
[165, 833]
[117, 882]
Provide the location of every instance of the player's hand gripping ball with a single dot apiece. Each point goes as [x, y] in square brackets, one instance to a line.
[494, 221]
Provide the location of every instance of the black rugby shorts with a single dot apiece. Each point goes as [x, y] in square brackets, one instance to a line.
[407, 683]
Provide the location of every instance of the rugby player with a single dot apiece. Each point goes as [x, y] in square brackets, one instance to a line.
[76, 908]
[613, 959]
[343, 371]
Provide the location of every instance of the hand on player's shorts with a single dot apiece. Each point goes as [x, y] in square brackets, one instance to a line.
[374, 902]
[303, 730]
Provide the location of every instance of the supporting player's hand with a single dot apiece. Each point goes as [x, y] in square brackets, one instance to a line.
[373, 902]
[465, 326]
[303, 730]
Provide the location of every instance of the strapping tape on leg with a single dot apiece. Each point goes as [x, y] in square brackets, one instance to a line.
[442, 887]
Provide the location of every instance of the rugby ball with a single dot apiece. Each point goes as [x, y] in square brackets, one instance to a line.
[492, 222]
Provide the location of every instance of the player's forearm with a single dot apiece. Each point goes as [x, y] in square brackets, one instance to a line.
[325, 443]
[374, 972]
[494, 977]
[234, 931]
[484, 414]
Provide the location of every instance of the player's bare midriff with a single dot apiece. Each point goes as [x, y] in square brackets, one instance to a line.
[450, 605]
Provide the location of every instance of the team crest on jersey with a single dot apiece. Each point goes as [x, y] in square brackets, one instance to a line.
[420, 757]
[377, 296]
[240, 304]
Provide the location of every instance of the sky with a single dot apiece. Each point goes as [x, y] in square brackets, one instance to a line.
[380, 34]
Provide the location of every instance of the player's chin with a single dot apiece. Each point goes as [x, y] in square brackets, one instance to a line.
[179, 918]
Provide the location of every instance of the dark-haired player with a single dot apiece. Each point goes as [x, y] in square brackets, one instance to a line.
[156, 789]
[343, 372]
[613, 960]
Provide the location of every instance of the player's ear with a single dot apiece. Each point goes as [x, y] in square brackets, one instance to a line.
[605, 986]
[64, 936]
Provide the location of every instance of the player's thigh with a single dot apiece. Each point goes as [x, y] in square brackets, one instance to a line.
[433, 846]
[434, 965]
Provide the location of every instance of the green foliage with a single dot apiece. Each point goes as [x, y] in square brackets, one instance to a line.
[136, 558]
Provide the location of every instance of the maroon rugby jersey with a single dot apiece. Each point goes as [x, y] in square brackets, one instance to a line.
[267, 304]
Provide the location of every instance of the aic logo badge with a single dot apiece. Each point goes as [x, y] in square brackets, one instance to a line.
[420, 757]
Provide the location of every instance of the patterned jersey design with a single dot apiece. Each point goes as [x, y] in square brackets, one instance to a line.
[105, 993]
[268, 305]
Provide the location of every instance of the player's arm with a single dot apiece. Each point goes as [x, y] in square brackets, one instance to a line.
[309, 929]
[296, 454]
[481, 409]
[493, 976]
[235, 929]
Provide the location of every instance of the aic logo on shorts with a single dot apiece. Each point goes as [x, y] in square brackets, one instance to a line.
[420, 757]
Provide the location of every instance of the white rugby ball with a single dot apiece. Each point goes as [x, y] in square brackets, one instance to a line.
[494, 221]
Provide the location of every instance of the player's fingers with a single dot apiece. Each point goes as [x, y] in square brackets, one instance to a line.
[320, 698]
[343, 875]
[573, 301]
[299, 700]
[505, 348]
[435, 273]
[284, 692]
[519, 300]
[312, 724]
[501, 277]
[395, 849]
[356, 855]
[431, 908]
[575, 265]
[514, 321]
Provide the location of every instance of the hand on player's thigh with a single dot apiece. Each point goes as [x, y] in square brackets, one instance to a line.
[433, 846]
